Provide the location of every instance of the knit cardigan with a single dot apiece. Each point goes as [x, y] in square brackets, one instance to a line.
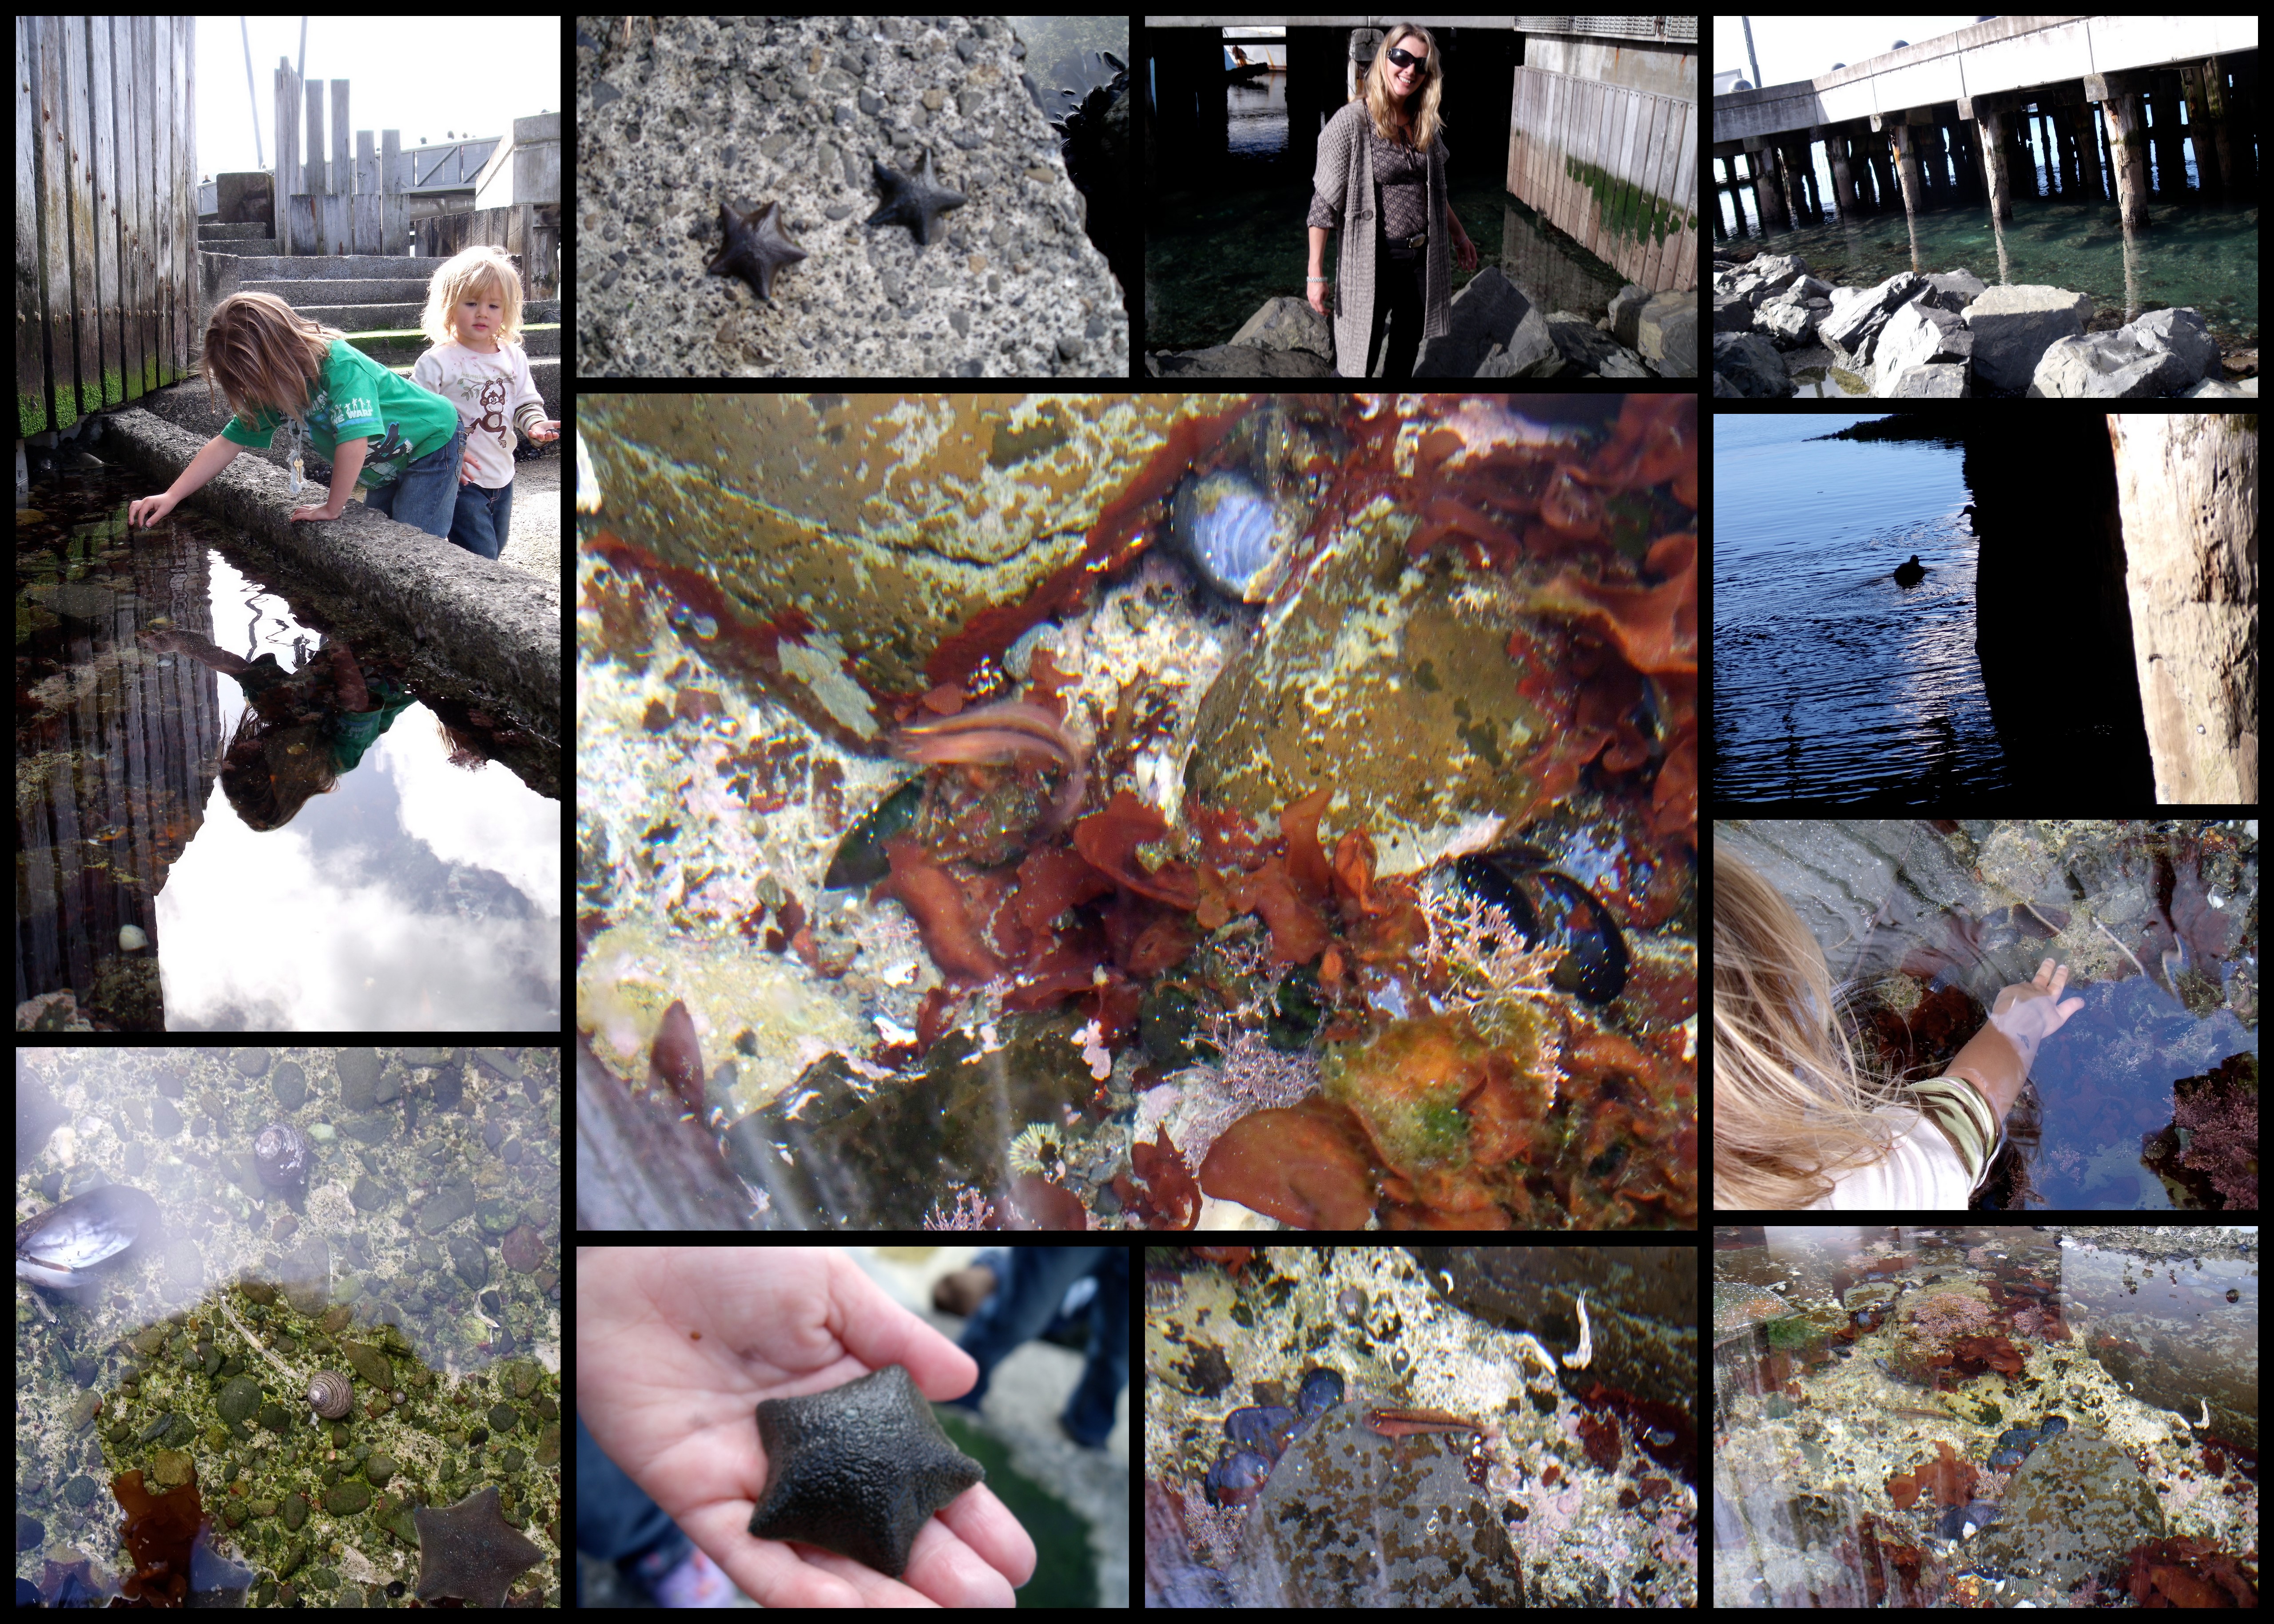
[1345, 180]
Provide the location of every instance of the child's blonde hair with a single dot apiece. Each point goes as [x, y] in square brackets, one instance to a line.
[261, 354]
[472, 273]
[1791, 1104]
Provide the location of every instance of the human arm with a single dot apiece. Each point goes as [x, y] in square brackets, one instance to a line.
[347, 462]
[1465, 251]
[1997, 1059]
[675, 1349]
[173, 640]
[215, 454]
[1317, 282]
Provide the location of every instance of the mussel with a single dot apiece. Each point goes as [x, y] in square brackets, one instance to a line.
[1551, 909]
[62, 1248]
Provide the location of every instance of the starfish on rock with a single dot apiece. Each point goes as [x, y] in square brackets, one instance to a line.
[756, 247]
[915, 201]
[858, 1468]
[471, 1552]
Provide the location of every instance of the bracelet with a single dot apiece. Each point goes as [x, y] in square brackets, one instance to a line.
[1315, 279]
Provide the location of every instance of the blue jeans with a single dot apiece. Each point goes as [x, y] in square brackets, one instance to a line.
[427, 495]
[485, 519]
[1031, 1283]
[615, 1520]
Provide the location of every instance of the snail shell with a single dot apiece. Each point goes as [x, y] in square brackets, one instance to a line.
[328, 1394]
[280, 1152]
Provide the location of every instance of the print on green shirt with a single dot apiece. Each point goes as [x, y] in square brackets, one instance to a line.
[356, 398]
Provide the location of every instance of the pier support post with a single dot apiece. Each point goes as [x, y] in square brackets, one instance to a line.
[2128, 147]
[1999, 170]
[2187, 488]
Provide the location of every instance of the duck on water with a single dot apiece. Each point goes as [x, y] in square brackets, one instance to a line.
[1910, 574]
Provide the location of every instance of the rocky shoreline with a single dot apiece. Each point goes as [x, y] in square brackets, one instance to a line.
[1497, 331]
[1950, 335]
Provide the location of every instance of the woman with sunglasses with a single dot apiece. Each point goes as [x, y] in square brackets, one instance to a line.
[1381, 178]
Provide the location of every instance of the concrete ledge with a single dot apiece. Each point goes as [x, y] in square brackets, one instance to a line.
[475, 622]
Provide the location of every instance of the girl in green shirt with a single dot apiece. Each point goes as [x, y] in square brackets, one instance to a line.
[397, 441]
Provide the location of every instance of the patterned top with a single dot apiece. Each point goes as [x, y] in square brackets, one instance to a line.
[1344, 190]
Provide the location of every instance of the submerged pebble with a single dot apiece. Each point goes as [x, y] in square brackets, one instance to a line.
[1321, 1389]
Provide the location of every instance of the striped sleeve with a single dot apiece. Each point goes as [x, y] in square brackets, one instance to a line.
[1958, 1109]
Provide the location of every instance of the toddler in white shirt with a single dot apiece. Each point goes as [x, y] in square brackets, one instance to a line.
[473, 321]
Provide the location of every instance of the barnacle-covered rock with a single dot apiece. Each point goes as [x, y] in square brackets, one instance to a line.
[852, 549]
[2077, 1507]
[1353, 1519]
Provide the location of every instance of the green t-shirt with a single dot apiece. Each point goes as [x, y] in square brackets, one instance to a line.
[356, 398]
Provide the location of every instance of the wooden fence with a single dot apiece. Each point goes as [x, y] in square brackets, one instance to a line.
[106, 212]
[333, 206]
[1617, 169]
[529, 232]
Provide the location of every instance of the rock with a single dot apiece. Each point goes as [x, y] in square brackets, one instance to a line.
[1585, 347]
[289, 1085]
[524, 1249]
[359, 1070]
[296, 1511]
[171, 1467]
[378, 1469]
[2162, 353]
[1669, 334]
[368, 1363]
[1351, 1519]
[1490, 311]
[2076, 1508]
[1287, 323]
[1238, 361]
[346, 1499]
[251, 1061]
[239, 1398]
[2015, 327]
[887, 524]
[131, 939]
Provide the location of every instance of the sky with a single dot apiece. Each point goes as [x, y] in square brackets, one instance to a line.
[407, 73]
[1797, 47]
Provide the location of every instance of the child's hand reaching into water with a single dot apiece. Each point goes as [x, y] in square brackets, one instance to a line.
[2031, 1011]
[1997, 1059]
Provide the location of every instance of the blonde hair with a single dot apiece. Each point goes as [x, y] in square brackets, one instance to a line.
[470, 275]
[263, 354]
[1427, 121]
[1792, 1106]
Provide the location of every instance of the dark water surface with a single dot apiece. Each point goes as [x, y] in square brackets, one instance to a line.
[1832, 682]
[303, 885]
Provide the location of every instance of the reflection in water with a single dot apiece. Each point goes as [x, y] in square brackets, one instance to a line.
[233, 816]
[1983, 1416]
[411, 1270]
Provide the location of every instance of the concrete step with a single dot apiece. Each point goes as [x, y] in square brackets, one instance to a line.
[343, 290]
[402, 346]
[387, 318]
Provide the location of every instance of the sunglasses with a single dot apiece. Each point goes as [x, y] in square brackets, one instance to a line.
[1406, 58]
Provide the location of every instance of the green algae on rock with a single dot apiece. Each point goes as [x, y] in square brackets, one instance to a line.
[852, 538]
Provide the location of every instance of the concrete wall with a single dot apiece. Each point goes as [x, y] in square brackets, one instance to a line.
[479, 627]
[2006, 54]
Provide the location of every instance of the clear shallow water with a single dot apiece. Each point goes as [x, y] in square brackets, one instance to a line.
[2201, 256]
[2128, 1336]
[1831, 681]
[419, 890]
[1924, 924]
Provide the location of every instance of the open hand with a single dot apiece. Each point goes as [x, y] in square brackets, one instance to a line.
[550, 429]
[2030, 1011]
[1464, 253]
[675, 1349]
[325, 512]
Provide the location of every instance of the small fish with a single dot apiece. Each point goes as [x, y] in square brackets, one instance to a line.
[1007, 732]
[1405, 1423]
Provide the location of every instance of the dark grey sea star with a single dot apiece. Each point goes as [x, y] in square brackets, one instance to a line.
[915, 201]
[756, 247]
[858, 1468]
[469, 1550]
